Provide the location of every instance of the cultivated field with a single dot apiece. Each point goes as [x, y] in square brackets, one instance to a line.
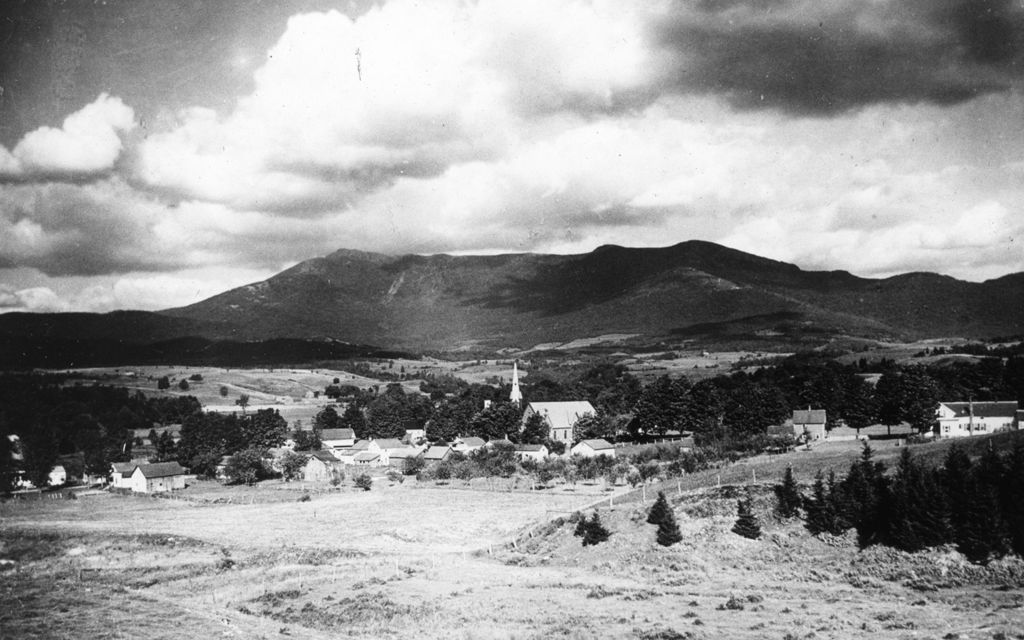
[431, 562]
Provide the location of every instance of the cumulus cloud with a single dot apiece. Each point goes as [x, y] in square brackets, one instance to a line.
[827, 56]
[33, 299]
[88, 143]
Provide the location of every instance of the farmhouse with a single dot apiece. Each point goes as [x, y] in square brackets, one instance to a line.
[322, 466]
[531, 451]
[560, 417]
[437, 453]
[157, 477]
[964, 419]
[121, 474]
[370, 459]
[594, 448]
[809, 423]
[335, 439]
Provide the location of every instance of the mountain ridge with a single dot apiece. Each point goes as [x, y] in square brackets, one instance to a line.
[445, 302]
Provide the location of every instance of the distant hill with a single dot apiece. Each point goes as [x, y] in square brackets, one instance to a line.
[693, 289]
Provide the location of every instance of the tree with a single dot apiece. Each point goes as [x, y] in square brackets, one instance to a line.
[668, 530]
[163, 383]
[183, 384]
[243, 401]
[8, 468]
[166, 449]
[39, 450]
[223, 391]
[591, 426]
[326, 418]
[352, 418]
[746, 522]
[265, 429]
[413, 465]
[306, 440]
[594, 532]
[450, 420]
[500, 420]
[658, 509]
[535, 430]
[661, 406]
[363, 481]
[246, 467]
[292, 464]
[787, 496]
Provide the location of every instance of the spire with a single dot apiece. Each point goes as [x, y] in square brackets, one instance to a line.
[516, 396]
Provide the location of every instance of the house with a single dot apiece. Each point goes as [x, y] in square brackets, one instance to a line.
[157, 477]
[468, 444]
[322, 466]
[809, 423]
[398, 457]
[415, 435]
[531, 451]
[121, 473]
[964, 419]
[387, 445]
[593, 448]
[337, 438]
[560, 417]
[437, 453]
[370, 459]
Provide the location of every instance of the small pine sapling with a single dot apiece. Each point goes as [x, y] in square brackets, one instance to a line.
[658, 509]
[746, 523]
[668, 530]
[595, 532]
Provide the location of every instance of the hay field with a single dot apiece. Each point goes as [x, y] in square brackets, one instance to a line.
[404, 562]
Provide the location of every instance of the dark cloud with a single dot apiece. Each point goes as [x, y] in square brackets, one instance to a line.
[822, 58]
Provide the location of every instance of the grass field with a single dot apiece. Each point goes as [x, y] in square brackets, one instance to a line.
[417, 561]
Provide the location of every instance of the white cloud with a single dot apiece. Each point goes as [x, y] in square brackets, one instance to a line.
[89, 142]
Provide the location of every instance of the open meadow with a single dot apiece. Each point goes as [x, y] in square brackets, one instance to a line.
[418, 561]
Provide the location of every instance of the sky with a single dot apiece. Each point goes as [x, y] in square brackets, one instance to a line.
[156, 152]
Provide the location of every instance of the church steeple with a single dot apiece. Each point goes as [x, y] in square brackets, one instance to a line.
[516, 396]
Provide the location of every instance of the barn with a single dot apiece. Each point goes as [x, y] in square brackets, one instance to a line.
[157, 477]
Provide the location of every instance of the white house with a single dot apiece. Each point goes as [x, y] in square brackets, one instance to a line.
[810, 422]
[157, 477]
[58, 476]
[560, 417]
[593, 448]
[121, 474]
[335, 439]
[533, 451]
[963, 419]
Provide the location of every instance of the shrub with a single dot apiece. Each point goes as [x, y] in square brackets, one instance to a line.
[246, 467]
[363, 481]
[787, 497]
[594, 531]
[394, 476]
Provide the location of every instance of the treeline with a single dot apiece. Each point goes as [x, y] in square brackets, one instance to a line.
[976, 505]
[54, 416]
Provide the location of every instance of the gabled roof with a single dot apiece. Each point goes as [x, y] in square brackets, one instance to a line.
[562, 415]
[323, 456]
[123, 467]
[472, 441]
[1002, 409]
[389, 443]
[362, 445]
[809, 416]
[437, 452]
[400, 454]
[597, 444]
[531, 447]
[160, 469]
[366, 456]
[337, 434]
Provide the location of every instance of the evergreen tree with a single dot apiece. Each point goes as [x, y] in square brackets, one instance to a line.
[658, 509]
[595, 532]
[1013, 499]
[787, 496]
[746, 522]
[581, 526]
[917, 513]
[668, 529]
[861, 498]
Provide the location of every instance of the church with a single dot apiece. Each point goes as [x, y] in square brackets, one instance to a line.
[560, 417]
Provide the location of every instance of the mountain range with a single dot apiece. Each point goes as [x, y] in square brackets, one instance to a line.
[441, 302]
